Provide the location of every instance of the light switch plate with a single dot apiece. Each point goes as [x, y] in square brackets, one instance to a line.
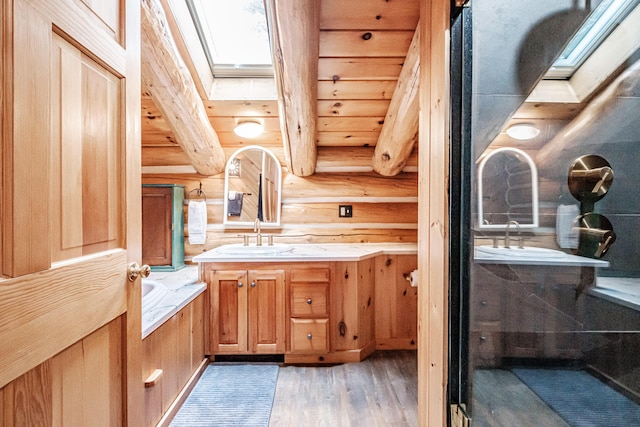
[345, 211]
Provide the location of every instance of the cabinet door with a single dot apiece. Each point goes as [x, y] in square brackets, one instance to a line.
[156, 225]
[229, 311]
[266, 311]
[396, 303]
[524, 320]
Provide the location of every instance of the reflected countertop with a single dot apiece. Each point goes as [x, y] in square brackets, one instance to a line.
[312, 252]
[535, 256]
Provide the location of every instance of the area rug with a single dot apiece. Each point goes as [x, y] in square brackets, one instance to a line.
[230, 394]
[579, 398]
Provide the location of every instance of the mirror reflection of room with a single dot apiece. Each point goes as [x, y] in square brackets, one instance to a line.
[252, 182]
[564, 309]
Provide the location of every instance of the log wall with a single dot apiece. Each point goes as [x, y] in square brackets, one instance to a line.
[384, 209]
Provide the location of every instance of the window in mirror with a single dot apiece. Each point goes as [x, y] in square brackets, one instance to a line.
[252, 188]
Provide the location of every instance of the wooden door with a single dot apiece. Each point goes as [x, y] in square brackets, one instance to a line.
[228, 290]
[266, 311]
[70, 321]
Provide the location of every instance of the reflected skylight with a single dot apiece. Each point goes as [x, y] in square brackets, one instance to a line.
[234, 36]
[602, 21]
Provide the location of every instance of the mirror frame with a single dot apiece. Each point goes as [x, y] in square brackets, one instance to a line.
[247, 224]
[534, 190]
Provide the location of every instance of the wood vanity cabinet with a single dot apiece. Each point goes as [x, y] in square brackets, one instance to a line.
[312, 312]
[519, 311]
[163, 226]
[177, 348]
[247, 313]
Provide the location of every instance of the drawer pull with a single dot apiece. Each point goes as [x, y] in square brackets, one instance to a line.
[483, 303]
[153, 378]
[309, 301]
[309, 336]
[239, 284]
[253, 284]
[483, 338]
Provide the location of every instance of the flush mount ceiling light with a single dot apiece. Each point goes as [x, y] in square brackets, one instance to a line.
[248, 129]
[523, 131]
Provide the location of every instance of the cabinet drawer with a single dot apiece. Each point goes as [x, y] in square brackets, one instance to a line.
[309, 275]
[309, 335]
[309, 299]
[485, 303]
[486, 344]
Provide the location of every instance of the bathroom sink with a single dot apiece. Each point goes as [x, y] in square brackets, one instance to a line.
[152, 293]
[240, 249]
[515, 252]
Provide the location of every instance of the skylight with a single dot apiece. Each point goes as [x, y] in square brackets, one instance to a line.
[602, 21]
[234, 36]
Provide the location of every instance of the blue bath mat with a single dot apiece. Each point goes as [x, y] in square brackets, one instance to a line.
[581, 399]
[230, 395]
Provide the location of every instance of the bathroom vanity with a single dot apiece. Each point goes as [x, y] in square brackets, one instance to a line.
[528, 303]
[319, 303]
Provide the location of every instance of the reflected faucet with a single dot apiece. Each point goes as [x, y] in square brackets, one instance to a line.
[256, 229]
[506, 234]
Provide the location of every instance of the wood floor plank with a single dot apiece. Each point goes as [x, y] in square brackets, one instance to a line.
[380, 391]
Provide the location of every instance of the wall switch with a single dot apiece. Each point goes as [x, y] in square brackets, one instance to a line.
[346, 211]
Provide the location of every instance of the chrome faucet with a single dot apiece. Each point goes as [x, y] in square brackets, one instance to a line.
[256, 229]
[506, 234]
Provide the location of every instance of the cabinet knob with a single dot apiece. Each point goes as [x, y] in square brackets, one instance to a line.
[309, 336]
[483, 303]
[309, 301]
[483, 338]
[253, 284]
[239, 284]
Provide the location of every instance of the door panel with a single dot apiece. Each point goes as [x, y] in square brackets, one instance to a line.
[86, 140]
[266, 311]
[71, 217]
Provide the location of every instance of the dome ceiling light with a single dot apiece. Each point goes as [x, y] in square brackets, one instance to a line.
[249, 129]
[523, 131]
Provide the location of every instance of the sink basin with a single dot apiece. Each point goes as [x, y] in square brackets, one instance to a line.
[520, 253]
[240, 249]
[152, 293]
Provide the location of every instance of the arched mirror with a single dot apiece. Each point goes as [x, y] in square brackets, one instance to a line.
[252, 187]
[507, 189]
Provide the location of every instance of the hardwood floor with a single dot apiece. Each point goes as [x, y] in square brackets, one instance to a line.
[380, 391]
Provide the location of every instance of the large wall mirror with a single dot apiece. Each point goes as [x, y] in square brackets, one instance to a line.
[252, 188]
[507, 189]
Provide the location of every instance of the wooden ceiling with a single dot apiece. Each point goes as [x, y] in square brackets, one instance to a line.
[362, 47]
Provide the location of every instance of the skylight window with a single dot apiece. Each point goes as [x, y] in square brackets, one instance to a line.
[234, 36]
[602, 21]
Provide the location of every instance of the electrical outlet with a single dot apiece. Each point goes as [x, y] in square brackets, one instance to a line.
[345, 211]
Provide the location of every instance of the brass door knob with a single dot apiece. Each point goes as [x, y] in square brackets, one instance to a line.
[134, 271]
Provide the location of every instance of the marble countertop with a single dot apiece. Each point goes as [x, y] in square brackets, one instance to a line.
[182, 287]
[312, 252]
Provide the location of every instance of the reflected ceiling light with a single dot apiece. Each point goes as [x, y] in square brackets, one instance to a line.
[523, 131]
[248, 129]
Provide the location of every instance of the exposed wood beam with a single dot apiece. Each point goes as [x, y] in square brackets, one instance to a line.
[400, 130]
[295, 33]
[602, 109]
[169, 83]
